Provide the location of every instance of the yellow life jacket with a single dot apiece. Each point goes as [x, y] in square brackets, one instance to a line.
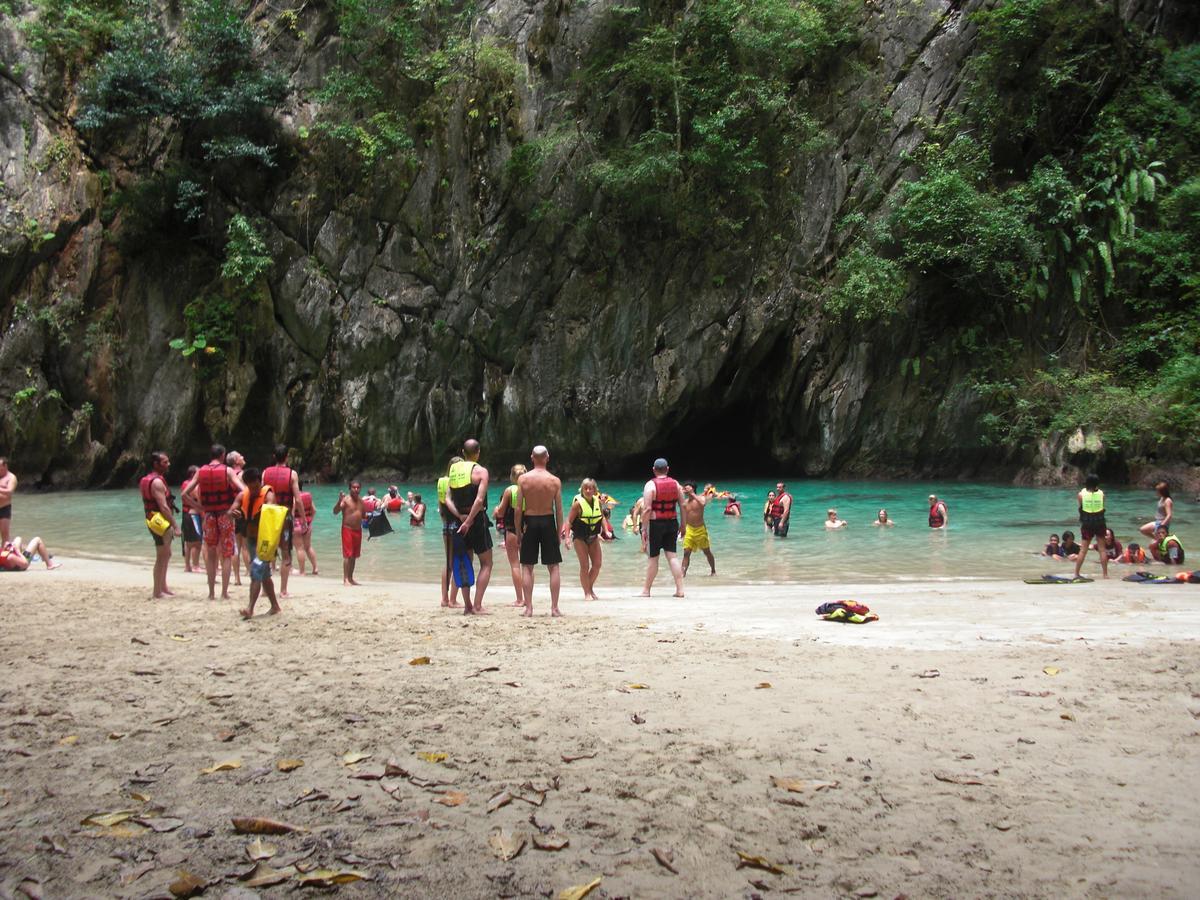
[1092, 501]
[589, 512]
[443, 485]
[460, 474]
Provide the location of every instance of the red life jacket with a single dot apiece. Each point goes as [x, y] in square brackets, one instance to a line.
[216, 493]
[279, 479]
[936, 518]
[666, 494]
[777, 506]
[146, 485]
[307, 503]
[394, 504]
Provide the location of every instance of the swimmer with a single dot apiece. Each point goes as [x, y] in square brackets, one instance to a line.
[1162, 514]
[1070, 549]
[506, 524]
[882, 520]
[781, 511]
[537, 514]
[1054, 549]
[733, 507]
[1111, 547]
[768, 515]
[660, 528]
[416, 512]
[695, 535]
[1133, 554]
[351, 506]
[832, 521]
[633, 521]
[16, 557]
[939, 515]
[467, 501]
[585, 523]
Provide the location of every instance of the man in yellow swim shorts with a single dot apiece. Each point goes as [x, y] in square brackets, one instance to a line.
[695, 536]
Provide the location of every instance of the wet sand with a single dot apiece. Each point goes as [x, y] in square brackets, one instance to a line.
[628, 727]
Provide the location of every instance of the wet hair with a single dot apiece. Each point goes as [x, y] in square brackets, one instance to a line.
[516, 472]
[1163, 489]
[1107, 532]
[881, 515]
[1133, 547]
[1054, 537]
[690, 484]
[589, 482]
[1092, 482]
[416, 498]
[453, 460]
[770, 493]
[156, 457]
[1068, 536]
[352, 483]
[217, 451]
[1162, 528]
[250, 474]
[281, 453]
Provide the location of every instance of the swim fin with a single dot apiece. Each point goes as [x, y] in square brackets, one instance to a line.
[460, 562]
[1058, 579]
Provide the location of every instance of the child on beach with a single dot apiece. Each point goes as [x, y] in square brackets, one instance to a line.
[1054, 548]
[249, 510]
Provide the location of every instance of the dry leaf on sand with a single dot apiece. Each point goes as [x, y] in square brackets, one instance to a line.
[506, 845]
[762, 686]
[187, 885]
[433, 757]
[637, 686]
[419, 661]
[264, 875]
[222, 766]
[551, 841]
[665, 858]
[161, 825]
[257, 825]
[107, 820]
[951, 778]
[745, 860]
[579, 891]
[257, 851]
[68, 740]
[800, 785]
[331, 877]
[569, 758]
[351, 758]
[1051, 670]
[451, 798]
[289, 765]
[498, 800]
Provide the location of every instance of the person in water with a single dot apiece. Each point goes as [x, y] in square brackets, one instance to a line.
[1070, 548]
[585, 524]
[660, 526]
[1092, 525]
[1133, 554]
[832, 522]
[781, 511]
[8, 487]
[157, 500]
[467, 501]
[1166, 547]
[939, 515]
[249, 510]
[303, 532]
[16, 556]
[1110, 546]
[352, 508]
[504, 514]
[882, 520]
[633, 521]
[449, 526]
[733, 507]
[284, 483]
[695, 534]
[1054, 549]
[216, 487]
[537, 514]
[193, 525]
[1162, 513]
[768, 516]
[416, 512]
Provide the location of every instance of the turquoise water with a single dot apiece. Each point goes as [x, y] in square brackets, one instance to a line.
[995, 531]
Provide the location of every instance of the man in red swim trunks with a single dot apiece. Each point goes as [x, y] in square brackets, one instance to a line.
[351, 507]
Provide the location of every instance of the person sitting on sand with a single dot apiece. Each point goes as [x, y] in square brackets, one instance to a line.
[16, 557]
[1054, 549]
[695, 535]
[1071, 550]
[882, 520]
[351, 507]
[832, 521]
[1166, 547]
[249, 510]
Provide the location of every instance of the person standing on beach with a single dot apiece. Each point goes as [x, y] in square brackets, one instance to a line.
[586, 525]
[506, 524]
[8, 487]
[939, 515]
[193, 525]
[215, 488]
[695, 535]
[1091, 522]
[285, 485]
[467, 500]
[449, 526]
[157, 499]
[303, 531]
[237, 464]
[249, 508]
[1162, 514]
[660, 525]
[352, 509]
[781, 511]
[537, 517]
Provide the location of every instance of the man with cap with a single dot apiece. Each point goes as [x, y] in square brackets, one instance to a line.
[660, 525]
[939, 516]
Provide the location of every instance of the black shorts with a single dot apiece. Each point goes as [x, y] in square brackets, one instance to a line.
[1091, 528]
[158, 538]
[239, 526]
[191, 528]
[6, 512]
[285, 538]
[479, 538]
[664, 533]
[781, 527]
[540, 533]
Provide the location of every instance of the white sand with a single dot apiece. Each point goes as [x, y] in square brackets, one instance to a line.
[1088, 775]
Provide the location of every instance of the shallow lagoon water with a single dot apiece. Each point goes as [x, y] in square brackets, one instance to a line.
[996, 531]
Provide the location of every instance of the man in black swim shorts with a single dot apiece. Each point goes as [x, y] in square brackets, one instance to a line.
[8, 484]
[538, 517]
[660, 525]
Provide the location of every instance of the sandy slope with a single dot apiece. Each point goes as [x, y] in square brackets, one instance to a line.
[1087, 777]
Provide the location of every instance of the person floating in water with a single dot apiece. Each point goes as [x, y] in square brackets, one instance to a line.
[158, 506]
[832, 522]
[1163, 513]
[352, 509]
[939, 515]
[1091, 522]
[467, 501]
[537, 517]
[733, 507]
[695, 535]
[882, 520]
[1054, 548]
[1110, 546]
[585, 523]
[1070, 549]
[660, 527]
[1133, 554]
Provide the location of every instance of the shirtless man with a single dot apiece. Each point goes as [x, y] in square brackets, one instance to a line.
[156, 498]
[695, 535]
[8, 486]
[467, 501]
[660, 525]
[351, 507]
[539, 521]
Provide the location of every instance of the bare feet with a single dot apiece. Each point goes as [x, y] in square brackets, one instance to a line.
[678, 594]
[58, 565]
[246, 613]
[647, 594]
[225, 596]
[593, 597]
[284, 594]
[349, 582]
[554, 613]
[528, 614]
[519, 603]
[212, 596]
[315, 572]
[166, 593]
[274, 611]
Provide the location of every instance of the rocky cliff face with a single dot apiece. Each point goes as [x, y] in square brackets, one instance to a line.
[431, 304]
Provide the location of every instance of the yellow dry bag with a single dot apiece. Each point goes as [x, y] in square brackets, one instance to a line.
[270, 527]
[158, 523]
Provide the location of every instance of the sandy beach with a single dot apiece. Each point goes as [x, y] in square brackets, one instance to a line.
[982, 739]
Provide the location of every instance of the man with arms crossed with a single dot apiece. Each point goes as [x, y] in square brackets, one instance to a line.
[660, 525]
[467, 501]
[8, 485]
[538, 518]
